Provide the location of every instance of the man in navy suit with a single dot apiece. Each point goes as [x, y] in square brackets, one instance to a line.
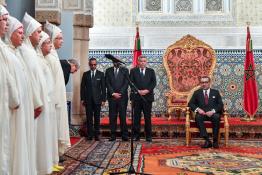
[144, 79]
[117, 96]
[207, 104]
[93, 95]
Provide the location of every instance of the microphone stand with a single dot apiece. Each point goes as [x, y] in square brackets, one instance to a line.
[131, 169]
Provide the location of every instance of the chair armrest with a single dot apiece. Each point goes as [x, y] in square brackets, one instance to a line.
[225, 115]
[187, 117]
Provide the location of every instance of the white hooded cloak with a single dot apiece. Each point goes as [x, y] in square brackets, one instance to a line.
[43, 160]
[60, 91]
[9, 100]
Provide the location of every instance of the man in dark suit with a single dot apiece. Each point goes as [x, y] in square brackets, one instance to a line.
[207, 104]
[69, 66]
[144, 79]
[117, 85]
[93, 95]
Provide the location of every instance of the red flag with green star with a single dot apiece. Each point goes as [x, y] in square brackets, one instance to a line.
[250, 85]
[137, 48]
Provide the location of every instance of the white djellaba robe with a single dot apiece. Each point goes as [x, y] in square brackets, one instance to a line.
[30, 120]
[22, 124]
[54, 120]
[42, 130]
[51, 95]
[9, 103]
[9, 100]
[60, 92]
[19, 147]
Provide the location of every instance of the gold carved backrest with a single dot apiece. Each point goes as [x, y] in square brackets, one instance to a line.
[185, 62]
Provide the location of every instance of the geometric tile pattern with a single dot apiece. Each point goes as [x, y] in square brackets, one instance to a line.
[227, 77]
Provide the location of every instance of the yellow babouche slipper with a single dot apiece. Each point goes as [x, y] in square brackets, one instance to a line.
[59, 167]
[55, 169]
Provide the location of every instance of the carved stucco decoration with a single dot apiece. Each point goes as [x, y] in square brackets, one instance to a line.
[249, 11]
[51, 10]
[79, 6]
[153, 5]
[47, 4]
[72, 4]
[214, 5]
[106, 13]
[88, 7]
[83, 20]
[184, 5]
[48, 10]
[186, 18]
[51, 16]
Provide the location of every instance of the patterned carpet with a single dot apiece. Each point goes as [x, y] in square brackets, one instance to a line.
[90, 157]
[163, 157]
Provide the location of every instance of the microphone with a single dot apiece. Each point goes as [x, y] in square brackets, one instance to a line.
[114, 59]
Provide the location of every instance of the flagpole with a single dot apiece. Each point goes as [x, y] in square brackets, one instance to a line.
[137, 25]
[248, 117]
[137, 46]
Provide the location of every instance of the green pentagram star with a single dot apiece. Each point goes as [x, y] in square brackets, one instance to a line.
[250, 73]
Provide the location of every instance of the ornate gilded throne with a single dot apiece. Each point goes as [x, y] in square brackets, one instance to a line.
[185, 62]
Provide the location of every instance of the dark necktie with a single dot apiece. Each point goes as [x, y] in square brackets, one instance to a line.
[142, 72]
[206, 98]
[93, 75]
[115, 72]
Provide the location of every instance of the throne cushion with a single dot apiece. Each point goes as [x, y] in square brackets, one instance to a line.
[208, 124]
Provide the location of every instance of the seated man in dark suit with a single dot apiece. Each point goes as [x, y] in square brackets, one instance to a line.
[207, 104]
[69, 66]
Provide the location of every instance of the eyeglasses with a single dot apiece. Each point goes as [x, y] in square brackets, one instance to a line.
[92, 64]
[203, 82]
[59, 38]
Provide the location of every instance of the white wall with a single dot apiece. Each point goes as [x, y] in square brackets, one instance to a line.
[114, 26]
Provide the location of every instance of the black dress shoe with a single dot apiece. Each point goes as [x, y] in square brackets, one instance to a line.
[89, 138]
[124, 139]
[136, 138]
[207, 144]
[149, 139]
[97, 138]
[112, 139]
[61, 159]
[215, 145]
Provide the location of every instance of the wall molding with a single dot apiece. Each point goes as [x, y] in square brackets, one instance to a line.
[162, 37]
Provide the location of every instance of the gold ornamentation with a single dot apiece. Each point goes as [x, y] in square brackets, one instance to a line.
[185, 62]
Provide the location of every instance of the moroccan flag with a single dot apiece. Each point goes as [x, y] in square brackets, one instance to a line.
[250, 85]
[137, 48]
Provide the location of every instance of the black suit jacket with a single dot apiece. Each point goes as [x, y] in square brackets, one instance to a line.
[93, 89]
[147, 82]
[214, 101]
[66, 70]
[119, 84]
